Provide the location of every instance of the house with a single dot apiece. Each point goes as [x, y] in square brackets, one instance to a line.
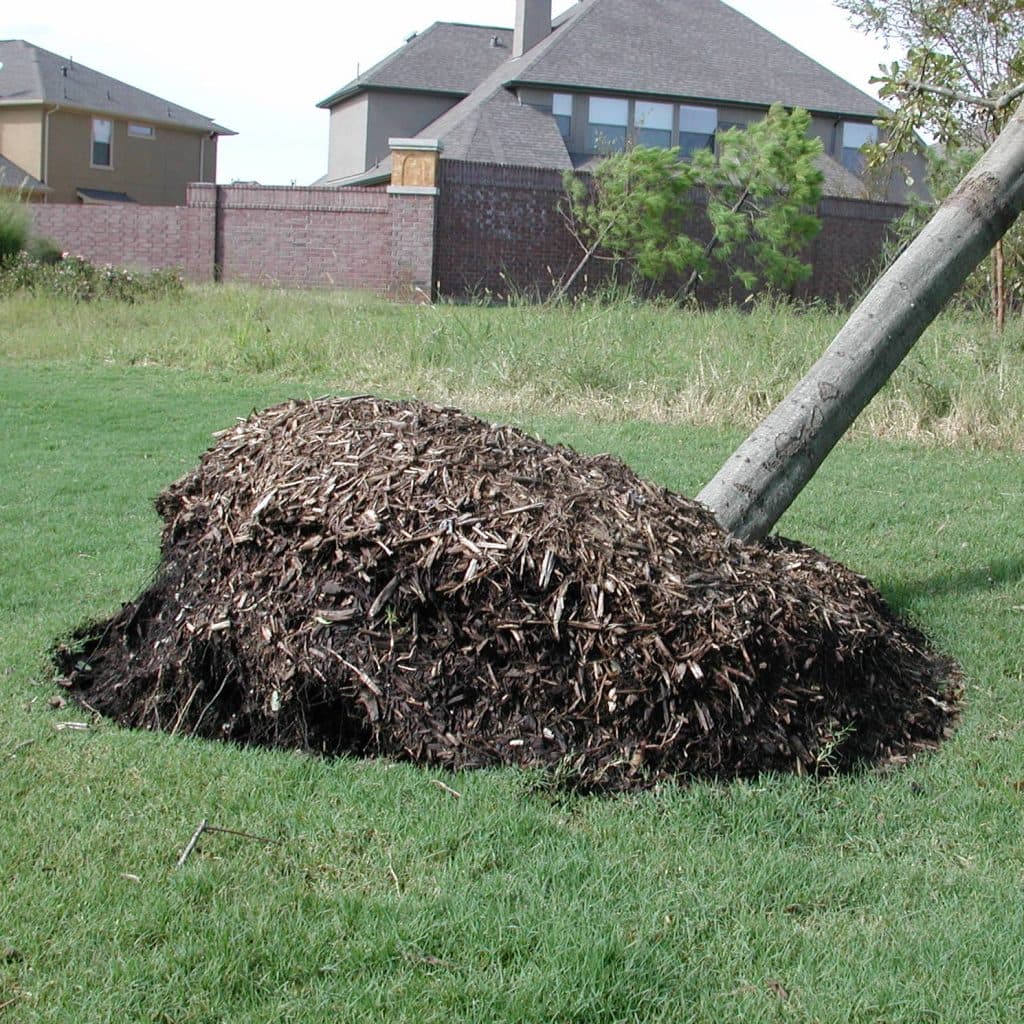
[15, 180]
[560, 93]
[69, 134]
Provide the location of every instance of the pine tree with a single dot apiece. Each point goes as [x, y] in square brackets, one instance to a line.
[761, 188]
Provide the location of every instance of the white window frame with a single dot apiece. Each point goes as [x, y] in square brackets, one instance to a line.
[141, 131]
[109, 143]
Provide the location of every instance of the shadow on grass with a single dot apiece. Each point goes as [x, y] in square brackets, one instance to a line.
[985, 576]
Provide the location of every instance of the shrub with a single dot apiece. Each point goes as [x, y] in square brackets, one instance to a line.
[14, 228]
[74, 277]
[44, 250]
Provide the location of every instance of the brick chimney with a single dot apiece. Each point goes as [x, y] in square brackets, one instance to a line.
[533, 23]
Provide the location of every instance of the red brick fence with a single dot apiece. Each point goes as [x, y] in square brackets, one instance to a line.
[485, 229]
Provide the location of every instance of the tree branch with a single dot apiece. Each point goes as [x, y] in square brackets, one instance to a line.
[711, 244]
[999, 103]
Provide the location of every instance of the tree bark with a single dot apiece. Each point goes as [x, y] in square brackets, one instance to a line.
[763, 477]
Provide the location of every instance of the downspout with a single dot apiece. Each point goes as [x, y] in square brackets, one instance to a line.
[46, 145]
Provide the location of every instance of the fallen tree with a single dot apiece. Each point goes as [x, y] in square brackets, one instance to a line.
[763, 477]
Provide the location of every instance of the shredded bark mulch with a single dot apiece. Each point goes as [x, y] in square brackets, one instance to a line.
[400, 579]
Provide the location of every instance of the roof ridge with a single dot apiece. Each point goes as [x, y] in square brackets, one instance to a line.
[365, 79]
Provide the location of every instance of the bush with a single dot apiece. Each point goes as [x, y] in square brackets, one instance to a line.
[14, 228]
[44, 250]
[74, 277]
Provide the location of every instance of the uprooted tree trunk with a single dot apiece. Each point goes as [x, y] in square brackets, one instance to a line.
[763, 477]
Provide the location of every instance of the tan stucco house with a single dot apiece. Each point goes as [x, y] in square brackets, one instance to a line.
[69, 134]
[560, 93]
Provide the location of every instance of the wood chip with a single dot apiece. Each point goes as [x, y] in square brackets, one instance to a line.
[419, 584]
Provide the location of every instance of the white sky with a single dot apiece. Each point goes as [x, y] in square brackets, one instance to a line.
[262, 74]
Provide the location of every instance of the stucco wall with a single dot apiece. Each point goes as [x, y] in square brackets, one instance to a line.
[21, 138]
[153, 171]
[346, 148]
[400, 116]
[361, 126]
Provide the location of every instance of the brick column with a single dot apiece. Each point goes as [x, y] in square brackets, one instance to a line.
[413, 204]
[201, 231]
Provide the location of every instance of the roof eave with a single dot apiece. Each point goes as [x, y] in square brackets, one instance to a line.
[354, 90]
[364, 179]
[211, 128]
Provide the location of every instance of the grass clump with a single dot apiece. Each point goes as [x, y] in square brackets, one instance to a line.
[610, 363]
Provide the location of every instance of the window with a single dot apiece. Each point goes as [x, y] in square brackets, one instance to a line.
[653, 124]
[606, 124]
[142, 131]
[856, 135]
[724, 126]
[102, 133]
[697, 127]
[561, 108]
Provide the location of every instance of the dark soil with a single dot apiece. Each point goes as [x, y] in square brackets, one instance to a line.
[392, 578]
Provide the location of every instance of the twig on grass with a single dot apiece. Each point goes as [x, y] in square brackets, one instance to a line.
[20, 746]
[205, 826]
[394, 877]
[191, 844]
[448, 789]
[88, 707]
[244, 835]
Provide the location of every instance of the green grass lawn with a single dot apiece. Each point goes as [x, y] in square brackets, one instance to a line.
[881, 897]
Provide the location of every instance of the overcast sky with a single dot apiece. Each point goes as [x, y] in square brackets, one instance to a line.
[262, 74]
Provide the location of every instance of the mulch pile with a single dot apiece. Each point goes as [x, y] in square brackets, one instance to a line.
[401, 579]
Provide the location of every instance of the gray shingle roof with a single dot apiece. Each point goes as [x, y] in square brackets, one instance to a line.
[698, 49]
[446, 58]
[643, 47]
[839, 182]
[501, 130]
[30, 74]
[13, 177]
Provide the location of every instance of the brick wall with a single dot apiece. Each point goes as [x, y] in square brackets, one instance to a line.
[125, 234]
[413, 250]
[499, 229]
[846, 254]
[303, 237]
[492, 230]
[296, 237]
